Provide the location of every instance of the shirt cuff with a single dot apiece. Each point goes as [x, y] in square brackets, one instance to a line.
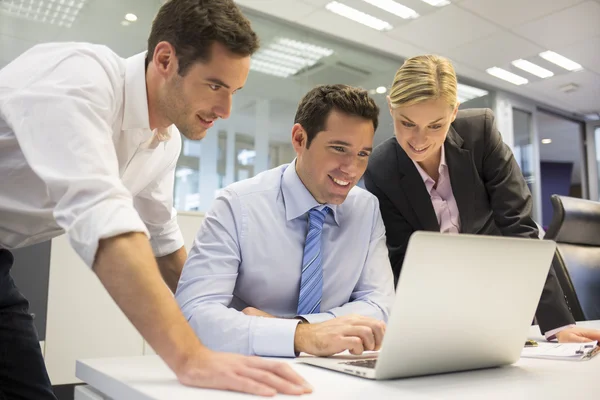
[166, 244]
[317, 318]
[551, 335]
[165, 237]
[273, 337]
[111, 217]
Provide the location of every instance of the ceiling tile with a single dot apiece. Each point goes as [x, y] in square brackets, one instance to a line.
[489, 82]
[336, 25]
[585, 99]
[586, 53]
[418, 6]
[286, 9]
[547, 99]
[564, 27]
[511, 13]
[446, 29]
[495, 50]
[318, 3]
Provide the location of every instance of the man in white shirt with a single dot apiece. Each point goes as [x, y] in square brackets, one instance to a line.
[87, 147]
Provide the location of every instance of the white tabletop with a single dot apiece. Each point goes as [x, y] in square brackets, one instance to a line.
[148, 378]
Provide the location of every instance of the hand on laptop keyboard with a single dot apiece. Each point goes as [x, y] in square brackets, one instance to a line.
[353, 333]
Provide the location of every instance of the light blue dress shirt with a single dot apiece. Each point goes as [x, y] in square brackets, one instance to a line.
[248, 252]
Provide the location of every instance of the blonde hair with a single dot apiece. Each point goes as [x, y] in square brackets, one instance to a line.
[422, 78]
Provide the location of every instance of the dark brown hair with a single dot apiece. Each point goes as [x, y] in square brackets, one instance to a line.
[316, 105]
[192, 26]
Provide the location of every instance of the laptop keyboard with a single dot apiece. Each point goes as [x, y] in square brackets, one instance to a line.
[362, 363]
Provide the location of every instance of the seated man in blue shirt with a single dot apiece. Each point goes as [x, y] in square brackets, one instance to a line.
[294, 259]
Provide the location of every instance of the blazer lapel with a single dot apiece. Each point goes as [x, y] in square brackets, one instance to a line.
[415, 193]
[460, 167]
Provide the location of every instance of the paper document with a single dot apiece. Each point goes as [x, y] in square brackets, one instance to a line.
[562, 351]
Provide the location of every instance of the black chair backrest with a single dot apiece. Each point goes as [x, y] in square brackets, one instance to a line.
[575, 227]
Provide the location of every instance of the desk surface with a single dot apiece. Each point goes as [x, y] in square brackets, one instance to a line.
[148, 378]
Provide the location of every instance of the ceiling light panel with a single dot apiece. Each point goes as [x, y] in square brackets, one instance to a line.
[56, 12]
[507, 76]
[284, 57]
[395, 8]
[358, 16]
[437, 3]
[561, 61]
[466, 92]
[532, 68]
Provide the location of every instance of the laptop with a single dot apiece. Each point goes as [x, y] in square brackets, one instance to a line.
[462, 302]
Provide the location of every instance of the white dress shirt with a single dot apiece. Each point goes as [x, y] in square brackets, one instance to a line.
[248, 252]
[77, 153]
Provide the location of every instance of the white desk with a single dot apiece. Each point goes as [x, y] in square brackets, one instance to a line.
[148, 378]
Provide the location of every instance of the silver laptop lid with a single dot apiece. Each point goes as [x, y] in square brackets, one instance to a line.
[463, 302]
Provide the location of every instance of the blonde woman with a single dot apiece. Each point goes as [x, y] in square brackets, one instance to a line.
[449, 171]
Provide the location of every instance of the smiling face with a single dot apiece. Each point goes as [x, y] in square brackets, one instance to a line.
[193, 102]
[336, 158]
[421, 128]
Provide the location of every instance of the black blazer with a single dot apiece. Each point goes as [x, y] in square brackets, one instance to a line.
[489, 188]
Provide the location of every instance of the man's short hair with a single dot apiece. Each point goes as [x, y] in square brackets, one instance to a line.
[316, 105]
[193, 26]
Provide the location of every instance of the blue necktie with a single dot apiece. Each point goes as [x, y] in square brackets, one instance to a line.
[311, 285]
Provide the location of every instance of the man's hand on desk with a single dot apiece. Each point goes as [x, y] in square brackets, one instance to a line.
[577, 334]
[353, 332]
[242, 374]
[127, 269]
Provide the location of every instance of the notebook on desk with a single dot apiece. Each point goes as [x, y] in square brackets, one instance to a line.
[462, 302]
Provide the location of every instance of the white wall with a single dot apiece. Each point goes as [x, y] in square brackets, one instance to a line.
[83, 321]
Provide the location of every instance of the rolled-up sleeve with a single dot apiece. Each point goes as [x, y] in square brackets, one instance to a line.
[155, 206]
[206, 286]
[62, 126]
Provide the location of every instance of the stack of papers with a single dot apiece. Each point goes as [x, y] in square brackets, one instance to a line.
[562, 351]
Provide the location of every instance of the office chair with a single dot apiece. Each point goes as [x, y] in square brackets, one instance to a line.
[575, 228]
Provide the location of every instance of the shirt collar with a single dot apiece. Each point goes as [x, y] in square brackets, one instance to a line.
[429, 182]
[297, 199]
[443, 159]
[135, 114]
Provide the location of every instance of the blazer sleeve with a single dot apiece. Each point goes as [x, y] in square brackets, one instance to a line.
[397, 229]
[512, 203]
[509, 195]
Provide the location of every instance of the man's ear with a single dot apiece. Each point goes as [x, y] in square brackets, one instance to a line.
[298, 137]
[165, 59]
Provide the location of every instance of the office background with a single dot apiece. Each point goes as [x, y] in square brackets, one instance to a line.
[552, 124]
